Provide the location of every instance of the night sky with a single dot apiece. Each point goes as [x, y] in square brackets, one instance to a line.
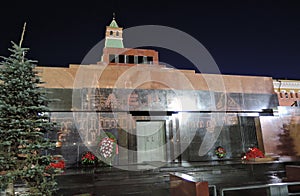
[249, 37]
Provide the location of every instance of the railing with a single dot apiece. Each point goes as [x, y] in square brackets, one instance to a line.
[275, 189]
[185, 183]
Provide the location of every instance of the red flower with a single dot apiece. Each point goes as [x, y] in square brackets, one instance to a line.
[254, 153]
[88, 158]
[58, 165]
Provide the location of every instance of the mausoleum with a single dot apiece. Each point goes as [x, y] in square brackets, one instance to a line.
[154, 113]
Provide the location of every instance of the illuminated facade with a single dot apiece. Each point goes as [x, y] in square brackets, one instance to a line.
[155, 113]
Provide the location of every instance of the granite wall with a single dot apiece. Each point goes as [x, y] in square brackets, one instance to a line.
[196, 121]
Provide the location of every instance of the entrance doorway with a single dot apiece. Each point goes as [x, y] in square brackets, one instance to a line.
[151, 137]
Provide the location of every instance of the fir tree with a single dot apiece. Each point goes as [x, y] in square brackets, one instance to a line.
[24, 124]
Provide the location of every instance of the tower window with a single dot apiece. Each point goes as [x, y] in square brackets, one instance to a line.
[121, 59]
[130, 59]
[117, 34]
[112, 58]
[149, 59]
[111, 33]
[140, 59]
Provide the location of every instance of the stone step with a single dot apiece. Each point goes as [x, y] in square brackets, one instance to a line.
[113, 181]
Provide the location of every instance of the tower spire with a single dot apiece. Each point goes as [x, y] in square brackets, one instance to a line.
[113, 22]
[22, 36]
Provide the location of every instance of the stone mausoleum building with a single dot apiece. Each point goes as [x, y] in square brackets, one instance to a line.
[159, 114]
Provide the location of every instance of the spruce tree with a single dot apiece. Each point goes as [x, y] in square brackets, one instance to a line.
[24, 125]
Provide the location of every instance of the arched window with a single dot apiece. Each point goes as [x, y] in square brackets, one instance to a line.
[111, 33]
[286, 95]
[292, 93]
[283, 94]
[117, 34]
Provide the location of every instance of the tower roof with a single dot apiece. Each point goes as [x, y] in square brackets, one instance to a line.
[114, 23]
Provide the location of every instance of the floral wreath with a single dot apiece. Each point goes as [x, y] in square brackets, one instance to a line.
[108, 147]
[88, 158]
[220, 152]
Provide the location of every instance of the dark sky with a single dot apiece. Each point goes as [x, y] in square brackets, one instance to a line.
[248, 37]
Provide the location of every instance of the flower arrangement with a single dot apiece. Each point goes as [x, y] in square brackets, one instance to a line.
[220, 152]
[88, 158]
[108, 147]
[56, 165]
[253, 153]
